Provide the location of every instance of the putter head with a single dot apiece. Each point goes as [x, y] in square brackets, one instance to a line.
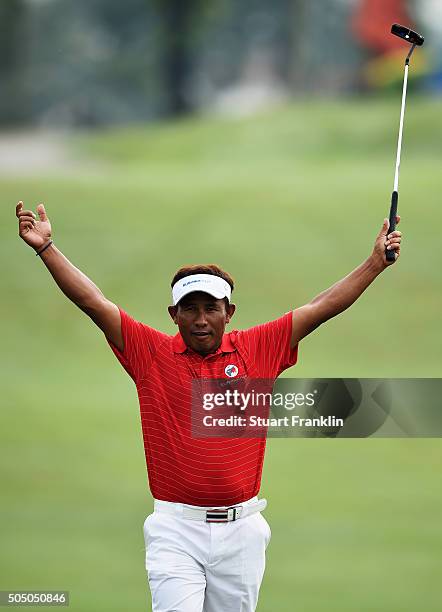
[411, 37]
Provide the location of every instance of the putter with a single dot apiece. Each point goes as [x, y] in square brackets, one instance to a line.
[416, 40]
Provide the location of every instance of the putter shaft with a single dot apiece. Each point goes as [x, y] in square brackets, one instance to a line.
[401, 121]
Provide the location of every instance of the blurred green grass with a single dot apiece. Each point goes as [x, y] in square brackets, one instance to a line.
[288, 202]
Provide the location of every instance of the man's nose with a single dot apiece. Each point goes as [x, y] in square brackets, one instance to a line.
[201, 317]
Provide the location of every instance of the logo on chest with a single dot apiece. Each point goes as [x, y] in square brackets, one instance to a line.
[231, 371]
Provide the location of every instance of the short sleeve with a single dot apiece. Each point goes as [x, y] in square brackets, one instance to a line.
[269, 346]
[140, 345]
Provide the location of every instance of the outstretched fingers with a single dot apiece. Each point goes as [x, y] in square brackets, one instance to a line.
[19, 212]
[42, 212]
[27, 218]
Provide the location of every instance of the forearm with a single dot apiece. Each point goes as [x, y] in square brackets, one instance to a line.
[74, 284]
[345, 292]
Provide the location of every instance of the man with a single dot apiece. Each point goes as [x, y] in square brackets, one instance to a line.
[206, 538]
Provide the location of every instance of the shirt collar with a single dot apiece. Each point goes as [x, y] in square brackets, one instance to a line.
[179, 346]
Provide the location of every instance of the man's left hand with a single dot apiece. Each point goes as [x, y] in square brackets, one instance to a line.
[391, 241]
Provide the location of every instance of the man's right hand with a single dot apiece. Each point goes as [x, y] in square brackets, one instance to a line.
[33, 232]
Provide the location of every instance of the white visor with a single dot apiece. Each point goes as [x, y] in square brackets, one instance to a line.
[207, 283]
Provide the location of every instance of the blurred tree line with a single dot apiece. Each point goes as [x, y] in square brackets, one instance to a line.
[95, 62]
[12, 14]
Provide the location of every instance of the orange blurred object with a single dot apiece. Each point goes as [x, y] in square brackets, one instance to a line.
[372, 21]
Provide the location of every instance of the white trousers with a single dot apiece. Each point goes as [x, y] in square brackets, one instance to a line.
[194, 566]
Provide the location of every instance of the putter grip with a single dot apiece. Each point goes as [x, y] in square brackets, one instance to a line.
[390, 255]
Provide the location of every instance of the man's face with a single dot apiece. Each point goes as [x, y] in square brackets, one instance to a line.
[201, 320]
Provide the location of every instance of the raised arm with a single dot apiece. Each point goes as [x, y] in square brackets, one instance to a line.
[74, 284]
[345, 292]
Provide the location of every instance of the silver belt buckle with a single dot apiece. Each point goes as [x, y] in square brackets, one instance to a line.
[231, 514]
[221, 515]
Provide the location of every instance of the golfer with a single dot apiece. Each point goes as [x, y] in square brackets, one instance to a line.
[206, 539]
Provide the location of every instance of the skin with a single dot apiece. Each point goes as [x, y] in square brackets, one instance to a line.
[200, 318]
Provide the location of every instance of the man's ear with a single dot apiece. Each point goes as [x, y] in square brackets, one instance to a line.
[230, 311]
[173, 310]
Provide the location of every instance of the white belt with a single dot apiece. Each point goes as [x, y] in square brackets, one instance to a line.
[217, 514]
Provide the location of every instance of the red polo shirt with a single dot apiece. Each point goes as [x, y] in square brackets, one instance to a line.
[210, 472]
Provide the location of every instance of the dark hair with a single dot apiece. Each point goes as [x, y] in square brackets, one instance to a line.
[203, 269]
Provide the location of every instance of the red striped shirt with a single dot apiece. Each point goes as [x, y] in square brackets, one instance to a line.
[209, 472]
